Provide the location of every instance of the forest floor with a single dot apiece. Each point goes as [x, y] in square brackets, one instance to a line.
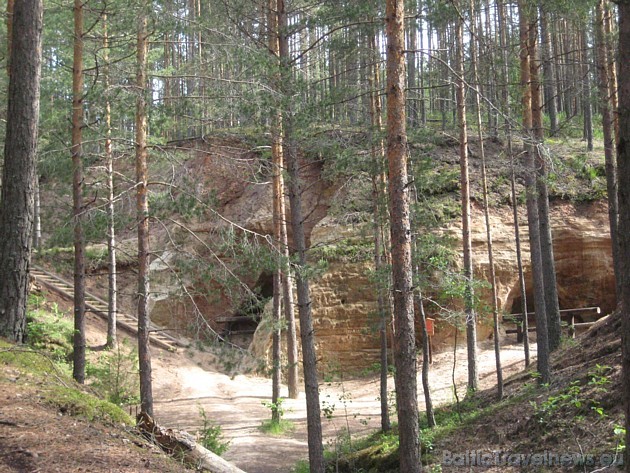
[185, 383]
[36, 437]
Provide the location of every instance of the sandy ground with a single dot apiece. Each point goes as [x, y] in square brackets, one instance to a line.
[186, 382]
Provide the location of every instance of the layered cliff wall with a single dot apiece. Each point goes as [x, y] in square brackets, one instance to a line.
[344, 299]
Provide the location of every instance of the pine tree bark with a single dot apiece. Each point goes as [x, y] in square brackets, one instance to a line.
[612, 69]
[307, 334]
[532, 200]
[112, 286]
[288, 303]
[400, 229]
[623, 156]
[142, 210]
[510, 150]
[426, 347]
[586, 88]
[18, 174]
[412, 105]
[546, 240]
[549, 86]
[471, 317]
[379, 197]
[78, 357]
[609, 142]
[276, 158]
[486, 210]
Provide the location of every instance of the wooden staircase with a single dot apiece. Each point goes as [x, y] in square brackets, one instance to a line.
[94, 304]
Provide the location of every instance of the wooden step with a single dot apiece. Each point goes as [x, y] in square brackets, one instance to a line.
[100, 307]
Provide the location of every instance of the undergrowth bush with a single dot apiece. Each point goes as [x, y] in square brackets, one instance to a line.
[115, 375]
[48, 329]
[210, 435]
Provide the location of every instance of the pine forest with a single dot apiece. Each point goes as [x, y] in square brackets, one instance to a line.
[275, 236]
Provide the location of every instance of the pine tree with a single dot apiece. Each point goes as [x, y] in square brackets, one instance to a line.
[404, 330]
[18, 175]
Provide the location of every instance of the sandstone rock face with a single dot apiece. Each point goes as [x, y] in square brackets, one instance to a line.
[344, 298]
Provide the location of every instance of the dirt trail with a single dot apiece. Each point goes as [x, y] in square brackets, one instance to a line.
[184, 383]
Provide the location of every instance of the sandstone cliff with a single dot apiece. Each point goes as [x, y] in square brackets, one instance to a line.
[344, 299]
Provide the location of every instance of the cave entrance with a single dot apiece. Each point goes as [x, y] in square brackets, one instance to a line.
[240, 327]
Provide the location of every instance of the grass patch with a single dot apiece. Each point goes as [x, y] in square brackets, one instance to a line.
[301, 466]
[280, 427]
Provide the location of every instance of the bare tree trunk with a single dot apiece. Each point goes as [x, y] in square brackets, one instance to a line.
[78, 370]
[623, 156]
[423, 103]
[471, 318]
[281, 219]
[510, 151]
[37, 217]
[612, 70]
[412, 105]
[548, 72]
[289, 304]
[586, 89]
[426, 347]
[532, 198]
[546, 240]
[307, 333]
[404, 333]
[112, 290]
[276, 156]
[379, 197]
[142, 207]
[20, 152]
[519, 261]
[609, 144]
[486, 209]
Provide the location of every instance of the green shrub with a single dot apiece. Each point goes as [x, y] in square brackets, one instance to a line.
[48, 329]
[115, 376]
[211, 435]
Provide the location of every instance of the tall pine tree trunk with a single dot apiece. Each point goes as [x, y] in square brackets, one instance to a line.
[112, 289]
[508, 131]
[546, 240]
[486, 209]
[549, 86]
[78, 357]
[609, 142]
[307, 334]
[532, 199]
[142, 219]
[623, 156]
[471, 318]
[426, 347]
[281, 215]
[404, 331]
[380, 217]
[276, 157]
[18, 173]
[612, 69]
